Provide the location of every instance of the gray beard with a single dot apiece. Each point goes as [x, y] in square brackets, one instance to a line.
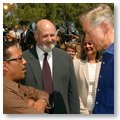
[45, 48]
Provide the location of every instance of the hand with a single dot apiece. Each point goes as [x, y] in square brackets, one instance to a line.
[31, 102]
[40, 105]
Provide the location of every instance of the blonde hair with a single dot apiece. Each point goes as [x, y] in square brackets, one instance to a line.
[70, 45]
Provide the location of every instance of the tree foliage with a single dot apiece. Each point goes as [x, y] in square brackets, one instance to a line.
[59, 13]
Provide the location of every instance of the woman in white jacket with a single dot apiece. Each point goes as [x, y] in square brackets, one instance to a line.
[87, 76]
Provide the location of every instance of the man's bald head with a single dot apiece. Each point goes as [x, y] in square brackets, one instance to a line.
[44, 24]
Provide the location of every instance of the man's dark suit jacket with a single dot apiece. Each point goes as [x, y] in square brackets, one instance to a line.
[27, 41]
[65, 92]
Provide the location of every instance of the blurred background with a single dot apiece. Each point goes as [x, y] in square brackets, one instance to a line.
[64, 15]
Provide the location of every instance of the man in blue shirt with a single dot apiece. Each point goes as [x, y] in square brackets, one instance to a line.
[98, 25]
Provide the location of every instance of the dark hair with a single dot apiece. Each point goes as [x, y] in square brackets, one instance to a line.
[24, 26]
[6, 46]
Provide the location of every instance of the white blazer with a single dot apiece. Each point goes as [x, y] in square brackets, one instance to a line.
[76, 63]
[82, 79]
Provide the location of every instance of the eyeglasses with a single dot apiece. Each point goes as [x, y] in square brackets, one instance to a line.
[19, 59]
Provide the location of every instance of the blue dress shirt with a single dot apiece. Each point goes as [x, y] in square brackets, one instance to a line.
[104, 103]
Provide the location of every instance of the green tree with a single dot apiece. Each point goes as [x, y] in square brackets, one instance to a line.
[59, 13]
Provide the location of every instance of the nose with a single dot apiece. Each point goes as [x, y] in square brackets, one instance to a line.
[24, 61]
[49, 38]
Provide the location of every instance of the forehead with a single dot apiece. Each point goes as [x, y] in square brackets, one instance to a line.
[46, 27]
[86, 23]
[15, 51]
[88, 41]
[23, 27]
[70, 49]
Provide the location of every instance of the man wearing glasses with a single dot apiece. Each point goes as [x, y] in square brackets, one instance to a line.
[98, 25]
[19, 99]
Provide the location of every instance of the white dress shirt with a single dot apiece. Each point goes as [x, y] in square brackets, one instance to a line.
[41, 58]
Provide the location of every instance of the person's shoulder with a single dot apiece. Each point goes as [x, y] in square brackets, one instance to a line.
[60, 51]
[29, 32]
[26, 52]
[99, 62]
[76, 60]
[21, 32]
[83, 61]
[31, 53]
[57, 52]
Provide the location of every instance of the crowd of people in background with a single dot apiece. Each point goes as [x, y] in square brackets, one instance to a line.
[81, 66]
[23, 36]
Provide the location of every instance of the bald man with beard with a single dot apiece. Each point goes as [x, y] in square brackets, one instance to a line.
[64, 98]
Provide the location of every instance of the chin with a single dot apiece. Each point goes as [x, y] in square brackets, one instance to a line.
[45, 48]
[23, 77]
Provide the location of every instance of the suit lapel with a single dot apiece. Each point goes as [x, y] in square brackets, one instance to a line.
[84, 68]
[55, 66]
[35, 65]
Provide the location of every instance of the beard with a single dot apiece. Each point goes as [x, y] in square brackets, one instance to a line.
[45, 48]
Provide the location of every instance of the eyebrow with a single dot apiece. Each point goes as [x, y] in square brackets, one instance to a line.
[12, 59]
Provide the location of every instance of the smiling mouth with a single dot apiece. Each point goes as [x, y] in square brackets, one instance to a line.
[24, 70]
[88, 49]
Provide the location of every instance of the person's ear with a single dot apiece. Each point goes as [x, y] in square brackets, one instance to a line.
[5, 66]
[105, 27]
[36, 35]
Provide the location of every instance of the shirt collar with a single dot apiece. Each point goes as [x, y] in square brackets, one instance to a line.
[109, 50]
[40, 52]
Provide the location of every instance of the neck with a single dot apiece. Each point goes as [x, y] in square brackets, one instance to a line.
[109, 38]
[91, 59]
